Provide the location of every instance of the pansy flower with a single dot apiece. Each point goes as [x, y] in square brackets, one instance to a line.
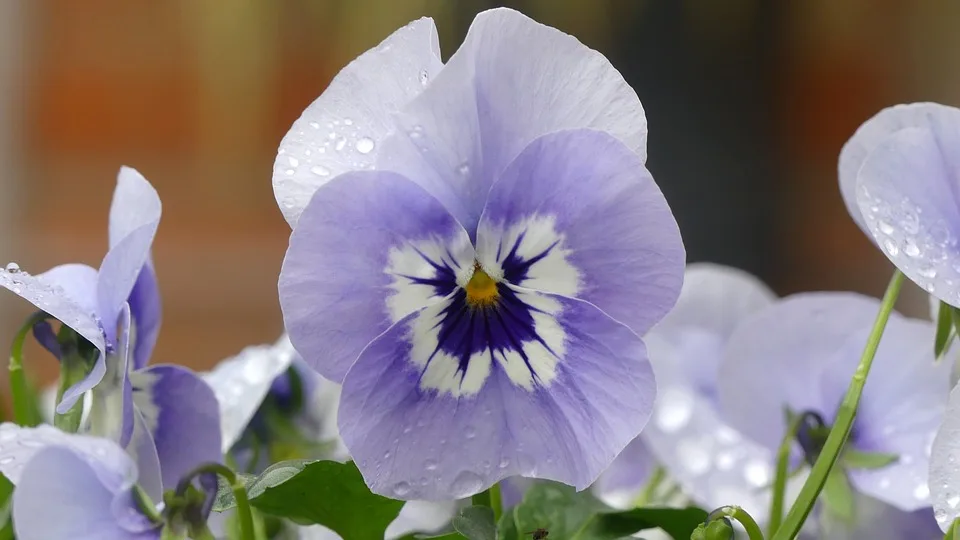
[117, 310]
[797, 357]
[898, 175]
[80, 487]
[480, 292]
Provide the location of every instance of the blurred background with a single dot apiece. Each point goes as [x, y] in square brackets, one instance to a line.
[748, 103]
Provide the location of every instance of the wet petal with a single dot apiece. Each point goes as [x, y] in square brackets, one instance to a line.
[342, 130]
[145, 308]
[182, 416]
[944, 478]
[111, 411]
[143, 450]
[512, 81]
[441, 407]
[876, 520]
[571, 214]
[907, 193]
[241, 383]
[875, 131]
[370, 248]
[134, 217]
[58, 479]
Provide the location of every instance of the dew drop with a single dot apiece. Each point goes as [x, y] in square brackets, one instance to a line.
[464, 169]
[504, 463]
[315, 125]
[341, 143]
[347, 122]
[401, 489]
[910, 248]
[885, 227]
[424, 77]
[333, 134]
[365, 145]
[891, 247]
[7, 460]
[386, 455]
[294, 162]
[466, 483]
[470, 433]
[953, 501]
[921, 492]
[320, 170]
[430, 465]
[13, 268]
[16, 290]
[928, 272]
[289, 172]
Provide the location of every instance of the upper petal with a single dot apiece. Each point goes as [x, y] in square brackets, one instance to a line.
[182, 416]
[370, 248]
[342, 130]
[873, 132]
[145, 310]
[908, 195]
[434, 410]
[577, 214]
[512, 81]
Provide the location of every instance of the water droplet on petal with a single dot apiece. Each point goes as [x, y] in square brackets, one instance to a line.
[885, 227]
[401, 489]
[7, 460]
[430, 465]
[289, 172]
[347, 122]
[294, 162]
[333, 134]
[921, 492]
[424, 77]
[928, 272]
[470, 432]
[891, 247]
[464, 169]
[953, 501]
[910, 248]
[504, 463]
[320, 170]
[466, 483]
[365, 145]
[341, 143]
[13, 267]
[315, 125]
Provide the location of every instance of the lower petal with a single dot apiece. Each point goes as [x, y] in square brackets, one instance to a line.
[181, 414]
[560, 405]
[944, 479]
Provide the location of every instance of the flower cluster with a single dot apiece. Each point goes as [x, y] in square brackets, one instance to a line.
[486, 295]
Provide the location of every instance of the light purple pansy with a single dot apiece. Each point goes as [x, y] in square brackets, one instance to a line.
[944, 476]
[481, 291]
[899, 179]
[801, 352]
[88, 480]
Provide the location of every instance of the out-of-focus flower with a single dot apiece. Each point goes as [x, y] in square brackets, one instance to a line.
[79, 487]
[945, 465]
[479, 293]
[799, 356]
[899, 175]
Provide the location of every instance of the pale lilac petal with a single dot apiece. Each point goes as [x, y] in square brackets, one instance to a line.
[342, 130]
[370, 248]
[875, 131]
[47, 338]
[421, 516]
[908, 194]
[775, 359]
[241, 383]
[944, 477]
[629, 472]
[876, 520]
[182, 415]
[62, 495]
[134, 218]
[143, 450]
[145, 308]
[572, 213]
[111, 413]
[900, 410]
[512, 81]
[433, 420]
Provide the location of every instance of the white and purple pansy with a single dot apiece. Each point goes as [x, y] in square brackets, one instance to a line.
[481, 291]
[799, 355]
[89, 481]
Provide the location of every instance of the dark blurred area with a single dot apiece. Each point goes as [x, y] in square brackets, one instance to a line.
[748, 103]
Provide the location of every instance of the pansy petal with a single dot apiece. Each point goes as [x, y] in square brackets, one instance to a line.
[422, 517]
[341, 131]
[145, 309]
[900, 410]
[907, 193]
[182, 415]
[775, 358]
[629, 472]
[111, 412]
[944, 477]
[134, 218]
[241, 383]
[570, 214]
[876, 520]
[59, 481]
[512, 81]
[370, 248]
[873, 132]
[558, 404]
[143, 450]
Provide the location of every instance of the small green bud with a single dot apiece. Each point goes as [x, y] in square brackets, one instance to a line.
[718, 529]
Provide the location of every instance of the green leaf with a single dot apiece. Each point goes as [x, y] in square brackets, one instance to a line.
[273, 475]
[838, 495]
[507, 528]
[6, 521]
[331, 494]
[855, 459]
[566, 514]
[476, 523]
[448, 536]
[944, 330]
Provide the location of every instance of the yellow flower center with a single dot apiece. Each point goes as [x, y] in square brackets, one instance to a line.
[481, 289]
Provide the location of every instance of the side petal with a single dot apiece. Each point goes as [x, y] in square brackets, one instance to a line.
[370, 248]
[61, 481]
[577, 214]
[776, 357]
[242, 382]
[182, 415]
[134, 218]
[559, 407]
[342, 130]
[944, 477]
[873, 132]
[512, 81]
[907, 193]
[145, 310]
[143, 450]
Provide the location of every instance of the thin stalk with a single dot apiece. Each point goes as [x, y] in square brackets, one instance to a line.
[953, 533]
[19, 390]
[490, 498]
[650, 489]
[844, 422]
[244, 514]
[782, 474]
[741, 515]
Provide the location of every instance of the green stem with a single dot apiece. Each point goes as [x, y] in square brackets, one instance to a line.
[953, 533]
[245, 515]
[649, 490]
[19, 390]
[844, 421]
[782, 474]
[741, 515]
[490, 498]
